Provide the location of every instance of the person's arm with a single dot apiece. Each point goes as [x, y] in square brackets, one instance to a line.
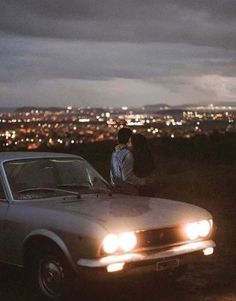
[112, 174]
[128, 175]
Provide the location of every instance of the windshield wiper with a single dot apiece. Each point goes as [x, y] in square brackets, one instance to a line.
[91, 188]
[75, 186]
[36, 189]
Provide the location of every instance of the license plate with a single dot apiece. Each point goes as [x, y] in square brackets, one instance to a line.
[167, 265]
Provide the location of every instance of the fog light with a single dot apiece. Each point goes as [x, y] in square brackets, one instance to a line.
[208, 251]
[115, 267]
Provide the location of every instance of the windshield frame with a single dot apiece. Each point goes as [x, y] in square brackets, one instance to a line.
[6, 183]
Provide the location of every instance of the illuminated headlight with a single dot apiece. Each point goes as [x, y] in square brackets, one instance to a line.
[192, 231]
[124, 241]
[127, 241]
[110, 243]
[204, 228]
[198, 229]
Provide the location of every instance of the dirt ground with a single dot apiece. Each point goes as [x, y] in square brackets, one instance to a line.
[211, 280]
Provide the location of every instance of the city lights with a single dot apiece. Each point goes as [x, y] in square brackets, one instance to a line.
[64, 127]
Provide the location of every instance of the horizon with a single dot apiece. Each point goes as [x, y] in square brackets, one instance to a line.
[204, 104]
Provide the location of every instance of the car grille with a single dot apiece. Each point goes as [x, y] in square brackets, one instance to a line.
[159, 237]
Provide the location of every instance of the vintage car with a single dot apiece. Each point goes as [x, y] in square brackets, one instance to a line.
[60, 220]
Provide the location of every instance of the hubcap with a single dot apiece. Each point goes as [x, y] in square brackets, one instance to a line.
[51, 277]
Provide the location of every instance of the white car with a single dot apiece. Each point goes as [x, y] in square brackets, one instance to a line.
[60, 220]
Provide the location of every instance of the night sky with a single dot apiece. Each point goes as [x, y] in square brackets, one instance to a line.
[117, 52]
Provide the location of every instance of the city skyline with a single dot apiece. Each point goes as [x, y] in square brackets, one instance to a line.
[35, 128]
[111, 53]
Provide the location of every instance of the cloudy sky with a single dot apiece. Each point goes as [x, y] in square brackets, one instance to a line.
[117, 52]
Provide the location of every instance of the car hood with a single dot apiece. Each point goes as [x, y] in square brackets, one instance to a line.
[124, 212]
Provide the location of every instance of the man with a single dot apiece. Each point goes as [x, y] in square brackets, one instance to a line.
[122, 163]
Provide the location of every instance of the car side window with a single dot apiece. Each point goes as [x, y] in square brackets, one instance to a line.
[2, 194]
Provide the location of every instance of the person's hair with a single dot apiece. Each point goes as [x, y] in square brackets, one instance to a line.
[143, 159]
[123, 135]
[139, 142]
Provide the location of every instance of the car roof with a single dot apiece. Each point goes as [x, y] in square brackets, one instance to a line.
[5, 156]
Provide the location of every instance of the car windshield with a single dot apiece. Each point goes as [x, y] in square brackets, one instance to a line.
[47, 177]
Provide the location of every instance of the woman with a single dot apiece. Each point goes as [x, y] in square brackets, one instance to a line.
[143, 161]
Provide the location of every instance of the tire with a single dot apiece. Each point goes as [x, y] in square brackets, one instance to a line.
[51, 275]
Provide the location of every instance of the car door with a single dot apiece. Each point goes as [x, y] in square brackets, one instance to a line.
[3, 212]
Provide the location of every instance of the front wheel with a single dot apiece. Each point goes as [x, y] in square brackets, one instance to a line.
[51, 274]
[51, 277]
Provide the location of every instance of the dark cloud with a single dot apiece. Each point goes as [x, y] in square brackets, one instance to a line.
[114, 51]
[27, 59]
[196, 22]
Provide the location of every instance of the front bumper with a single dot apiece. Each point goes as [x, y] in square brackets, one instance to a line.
[145, 261]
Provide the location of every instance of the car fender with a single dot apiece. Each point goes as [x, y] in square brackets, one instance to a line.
[44, 233]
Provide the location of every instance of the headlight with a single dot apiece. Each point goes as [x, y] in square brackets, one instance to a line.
[125, 241]
[192, 231]
[110, 243]
[204, 228]
[198, 229]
